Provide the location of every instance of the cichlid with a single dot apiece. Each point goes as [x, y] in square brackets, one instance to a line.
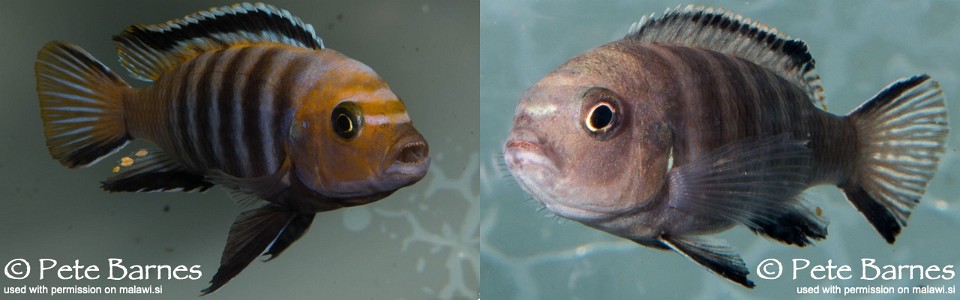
[700, 120]
[242, 96]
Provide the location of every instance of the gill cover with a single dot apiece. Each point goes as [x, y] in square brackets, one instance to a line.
[342, 138]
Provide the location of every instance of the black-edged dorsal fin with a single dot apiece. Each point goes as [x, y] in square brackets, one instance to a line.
[149, 50]
[729, 33]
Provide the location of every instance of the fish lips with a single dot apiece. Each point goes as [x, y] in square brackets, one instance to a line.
[524, 150]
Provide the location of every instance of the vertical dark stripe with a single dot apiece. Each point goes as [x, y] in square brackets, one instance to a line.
[206, 97]
[769, 106]
[701, 90]
[216, 80]
[722, 78]
[252, 95]
[225, 105]
[178, 126]
[285, 96]
[752, 96]
[664, 67]
[183, 113]
[188, 119]
[777, 113]
[178, 89]
[691, 137]
[741, 102]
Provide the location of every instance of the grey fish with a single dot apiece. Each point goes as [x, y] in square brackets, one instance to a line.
[701, 120]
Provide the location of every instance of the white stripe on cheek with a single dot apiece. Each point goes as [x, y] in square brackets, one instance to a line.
[537, 111]
[395, 118]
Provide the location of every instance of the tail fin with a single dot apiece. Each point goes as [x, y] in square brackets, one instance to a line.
[901, 134]
[79, 104]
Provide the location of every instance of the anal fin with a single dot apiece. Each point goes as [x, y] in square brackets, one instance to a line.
[795, 226]
[151, 171]
[715, 255]
[251, 233]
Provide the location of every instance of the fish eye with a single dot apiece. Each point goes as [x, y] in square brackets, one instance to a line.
[601, 112]
[600, 117]
[346, 120]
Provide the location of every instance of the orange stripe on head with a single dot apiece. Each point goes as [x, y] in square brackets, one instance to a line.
[351, 132]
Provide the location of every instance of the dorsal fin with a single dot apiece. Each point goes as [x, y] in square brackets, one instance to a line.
[149, 50]
[730, 33]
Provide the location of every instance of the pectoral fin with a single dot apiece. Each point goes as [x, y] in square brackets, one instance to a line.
[756, 182]
[248, 190]
[291, 233]
[713, 254]
[250, 234]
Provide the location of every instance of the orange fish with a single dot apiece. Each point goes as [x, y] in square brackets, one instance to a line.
[243, 96]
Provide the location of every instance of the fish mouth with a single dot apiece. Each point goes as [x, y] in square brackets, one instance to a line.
[524, 149]
[521, 145]
[409, 163]
[413, 153]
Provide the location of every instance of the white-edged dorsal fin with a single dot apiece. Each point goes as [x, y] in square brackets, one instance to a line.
[149, 50]
[729, 33]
